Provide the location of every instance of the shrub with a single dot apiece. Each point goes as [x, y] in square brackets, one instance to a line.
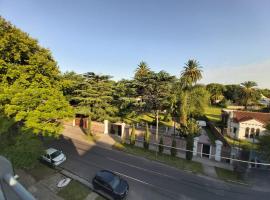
[173, 150]
[132, 136]
[146, 138]
[189, 154]
[160, 146]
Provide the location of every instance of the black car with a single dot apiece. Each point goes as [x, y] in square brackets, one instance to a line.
[111, 184]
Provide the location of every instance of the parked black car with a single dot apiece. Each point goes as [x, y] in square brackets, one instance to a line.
[111, 184]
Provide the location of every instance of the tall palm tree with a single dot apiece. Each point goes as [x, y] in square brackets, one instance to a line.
[248, 92]
[142, 70]
[191, 74]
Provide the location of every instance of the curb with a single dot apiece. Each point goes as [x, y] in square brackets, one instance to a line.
[77, 178]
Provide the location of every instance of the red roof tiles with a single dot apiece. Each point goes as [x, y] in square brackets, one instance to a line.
[241, 116]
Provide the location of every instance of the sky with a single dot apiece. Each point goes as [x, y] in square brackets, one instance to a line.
[229, 38]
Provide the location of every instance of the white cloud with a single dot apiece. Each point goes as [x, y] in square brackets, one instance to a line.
[258, 72]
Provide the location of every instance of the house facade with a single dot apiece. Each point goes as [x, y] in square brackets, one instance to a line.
[245, 125]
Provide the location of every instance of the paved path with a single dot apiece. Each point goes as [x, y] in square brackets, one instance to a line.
[149, 179]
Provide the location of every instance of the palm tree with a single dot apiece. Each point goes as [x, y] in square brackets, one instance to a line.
[191, 74]
[142, 70]
[248, 92]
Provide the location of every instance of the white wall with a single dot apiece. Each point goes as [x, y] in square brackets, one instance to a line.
[250, 124]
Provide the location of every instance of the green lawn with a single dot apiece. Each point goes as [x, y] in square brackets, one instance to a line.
[228, 175]
[149, 118]
[41, 171]
[241, 143]
[180, 163]
[74, 191]
[213, 113]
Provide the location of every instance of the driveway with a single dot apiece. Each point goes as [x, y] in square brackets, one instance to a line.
[149, 179]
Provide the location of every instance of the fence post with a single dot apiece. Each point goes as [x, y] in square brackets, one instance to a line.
[106, 126]
[195, 145]
[122, 129]
[218, 150]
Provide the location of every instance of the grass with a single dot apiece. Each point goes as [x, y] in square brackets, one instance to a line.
[41, 171]
[74, 191]
[149, 118]
[213, 113]
[100, 198]
[179, 163]
[241, 143]
[228, 175]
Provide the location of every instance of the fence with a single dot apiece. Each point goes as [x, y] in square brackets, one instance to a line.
[139, 143]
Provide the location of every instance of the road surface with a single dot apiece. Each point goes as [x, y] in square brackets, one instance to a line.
[149, 179]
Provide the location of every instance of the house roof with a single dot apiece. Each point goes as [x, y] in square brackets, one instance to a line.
[241, 116]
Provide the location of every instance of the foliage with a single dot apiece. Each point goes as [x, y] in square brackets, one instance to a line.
[146, 138]
[24, 152]
[216, 91]
[191, 74]
[132, 136]
[142, 70]
[30, 84]
[233, 93]
[94, 96]
[264, 144]
[173, 148]
[248, 93]
[160, 146]
[265, 92]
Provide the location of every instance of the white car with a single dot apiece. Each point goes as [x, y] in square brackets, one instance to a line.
[54, 157]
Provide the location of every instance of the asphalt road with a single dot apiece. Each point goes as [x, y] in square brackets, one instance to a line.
[149, 179]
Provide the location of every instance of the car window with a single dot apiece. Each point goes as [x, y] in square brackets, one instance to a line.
[55, 154]
[47, 156]
[115, 182]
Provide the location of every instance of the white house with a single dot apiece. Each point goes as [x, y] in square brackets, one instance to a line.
[244, 124]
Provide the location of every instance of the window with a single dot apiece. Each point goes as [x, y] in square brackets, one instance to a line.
[234, 130]
[257, 132]
[247, 132]
[252, 133]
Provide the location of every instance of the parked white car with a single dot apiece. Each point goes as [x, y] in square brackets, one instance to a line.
[54, 157]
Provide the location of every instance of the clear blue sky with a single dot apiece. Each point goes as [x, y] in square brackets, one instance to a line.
[230, 38]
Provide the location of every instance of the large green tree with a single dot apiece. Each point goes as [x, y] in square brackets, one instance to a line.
[94, 96]
[156, 93]
[191, 74]
[248, 93]
[216, 91]
[30, 83]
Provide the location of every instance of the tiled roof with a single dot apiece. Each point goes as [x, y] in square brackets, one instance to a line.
[241, 116]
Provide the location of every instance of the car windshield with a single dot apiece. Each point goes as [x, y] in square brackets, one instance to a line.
[55, 154]
[115, 182]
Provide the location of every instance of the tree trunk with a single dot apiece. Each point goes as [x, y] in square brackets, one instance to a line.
[183, 109]
[157, 126]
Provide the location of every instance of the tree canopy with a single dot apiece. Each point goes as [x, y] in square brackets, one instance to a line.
[29, 82]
